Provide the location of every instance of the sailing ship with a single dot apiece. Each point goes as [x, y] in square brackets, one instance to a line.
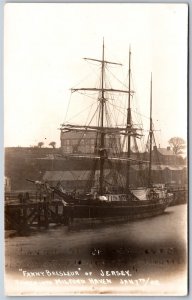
[104, 201]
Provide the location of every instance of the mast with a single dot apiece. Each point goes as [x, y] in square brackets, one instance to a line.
[102, 140]
[150, 136]
[129, 125]
[101, 128]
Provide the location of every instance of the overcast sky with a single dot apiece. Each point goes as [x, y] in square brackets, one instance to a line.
[44, 47]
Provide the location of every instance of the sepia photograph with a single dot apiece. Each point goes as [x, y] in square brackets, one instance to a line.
[95, 149]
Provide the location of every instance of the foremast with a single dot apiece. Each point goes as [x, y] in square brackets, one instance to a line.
[102, 129]
[102, 141]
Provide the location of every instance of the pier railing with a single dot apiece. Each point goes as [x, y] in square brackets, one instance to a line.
[20, 197]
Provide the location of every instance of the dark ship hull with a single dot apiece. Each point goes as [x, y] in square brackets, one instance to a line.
[96, 211]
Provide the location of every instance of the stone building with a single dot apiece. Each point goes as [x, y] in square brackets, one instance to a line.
[86, 142]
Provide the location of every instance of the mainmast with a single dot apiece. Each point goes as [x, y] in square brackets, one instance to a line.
[150, 136]
[129, 125]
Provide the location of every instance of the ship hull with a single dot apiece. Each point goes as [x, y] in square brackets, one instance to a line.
[109, 212]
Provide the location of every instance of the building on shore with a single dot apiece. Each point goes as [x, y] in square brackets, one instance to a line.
[84, 142]
[33, 163]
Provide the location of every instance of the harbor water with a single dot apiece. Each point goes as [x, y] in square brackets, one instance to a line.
[153, 248]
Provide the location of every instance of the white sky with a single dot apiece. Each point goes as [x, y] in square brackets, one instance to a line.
[43, 51]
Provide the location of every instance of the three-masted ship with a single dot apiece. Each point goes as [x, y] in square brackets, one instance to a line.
[102, 201]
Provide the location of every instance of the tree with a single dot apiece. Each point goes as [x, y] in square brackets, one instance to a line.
[40, 144]
[52, 144]
[177, 144]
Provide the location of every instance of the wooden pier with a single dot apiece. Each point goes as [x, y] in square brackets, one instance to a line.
[25, 211]
[180, 195]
